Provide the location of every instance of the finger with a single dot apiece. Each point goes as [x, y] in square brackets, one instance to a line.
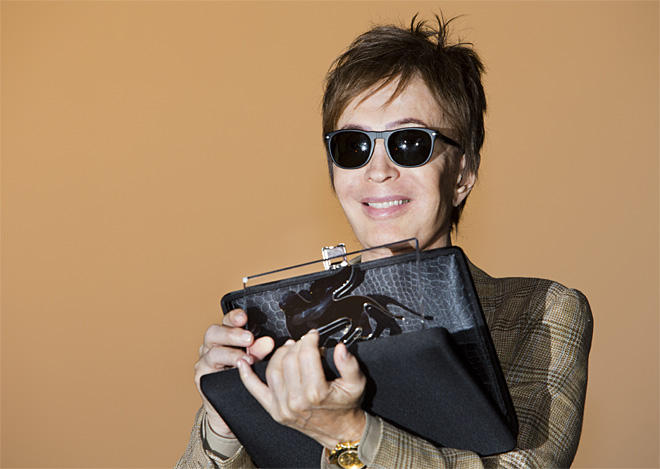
[261, 347]
[227, 336]
[204, 367]
[274, 373]
[256, 387]
[292, 379]
[352, 378]
[280, 353]
[235, 318]
[219, 358]
[311, 370]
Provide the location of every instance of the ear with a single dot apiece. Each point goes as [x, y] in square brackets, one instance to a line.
[464, 183]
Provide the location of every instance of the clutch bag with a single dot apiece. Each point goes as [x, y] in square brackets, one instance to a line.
[415, 324]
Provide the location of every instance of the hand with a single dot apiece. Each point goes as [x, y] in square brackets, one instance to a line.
[297, 394]
[221, 351]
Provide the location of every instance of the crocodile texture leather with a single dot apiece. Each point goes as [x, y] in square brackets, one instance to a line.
[428, 293]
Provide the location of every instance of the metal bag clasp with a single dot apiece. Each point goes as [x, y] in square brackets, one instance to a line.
[334, 257]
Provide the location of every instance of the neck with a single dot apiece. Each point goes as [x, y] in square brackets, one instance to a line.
[373, 254]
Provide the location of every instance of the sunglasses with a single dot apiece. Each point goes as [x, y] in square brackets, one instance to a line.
[408, 147]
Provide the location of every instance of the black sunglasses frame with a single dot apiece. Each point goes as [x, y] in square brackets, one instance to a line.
[385, 136]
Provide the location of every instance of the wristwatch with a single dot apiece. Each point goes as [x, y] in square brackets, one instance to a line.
[345, 455]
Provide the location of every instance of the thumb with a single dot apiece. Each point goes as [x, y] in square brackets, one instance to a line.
[261, 347]
[349, 368]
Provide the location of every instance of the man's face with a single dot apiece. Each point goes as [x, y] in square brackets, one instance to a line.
[385, 202]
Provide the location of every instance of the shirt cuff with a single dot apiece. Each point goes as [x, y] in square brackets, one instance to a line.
[371, 438]
[220, 446]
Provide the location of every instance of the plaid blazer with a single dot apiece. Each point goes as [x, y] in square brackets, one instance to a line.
[542, 334]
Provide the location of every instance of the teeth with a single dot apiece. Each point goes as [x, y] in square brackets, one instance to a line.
[389, 203]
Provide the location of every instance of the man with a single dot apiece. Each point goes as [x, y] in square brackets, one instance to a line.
[403, 122]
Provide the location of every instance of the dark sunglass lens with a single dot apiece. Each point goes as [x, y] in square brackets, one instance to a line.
[350, 149]
[410, 147]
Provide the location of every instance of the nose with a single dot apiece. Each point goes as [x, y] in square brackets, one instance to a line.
[381, 168]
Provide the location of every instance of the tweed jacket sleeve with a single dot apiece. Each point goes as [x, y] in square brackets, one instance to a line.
[542, 334]
[197, 455]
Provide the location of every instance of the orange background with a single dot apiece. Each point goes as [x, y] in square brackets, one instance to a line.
[153, 153]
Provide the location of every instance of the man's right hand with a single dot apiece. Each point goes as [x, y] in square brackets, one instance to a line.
[223, 346]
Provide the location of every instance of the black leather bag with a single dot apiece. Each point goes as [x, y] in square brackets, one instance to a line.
[415, 324]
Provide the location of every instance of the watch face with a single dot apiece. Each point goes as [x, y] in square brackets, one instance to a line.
[349, 460]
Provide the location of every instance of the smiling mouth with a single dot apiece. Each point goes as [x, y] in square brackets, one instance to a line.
[389, 203]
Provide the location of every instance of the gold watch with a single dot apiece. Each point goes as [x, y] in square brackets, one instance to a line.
[345, 455]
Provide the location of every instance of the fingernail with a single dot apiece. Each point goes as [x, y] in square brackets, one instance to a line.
[343, 353]
[246, 337]
[242, 365]
[290, 342]
[312, 331]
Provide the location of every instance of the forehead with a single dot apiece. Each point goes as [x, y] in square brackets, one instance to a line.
[414, 106]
